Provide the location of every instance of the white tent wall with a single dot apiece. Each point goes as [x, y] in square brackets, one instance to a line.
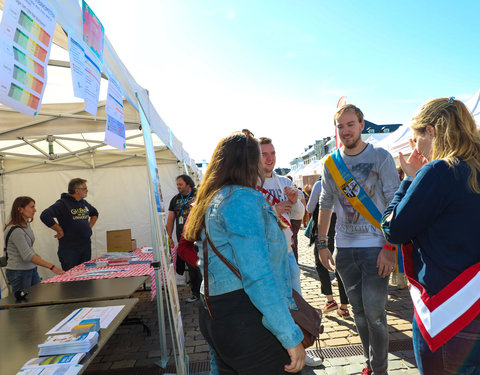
[119, 194]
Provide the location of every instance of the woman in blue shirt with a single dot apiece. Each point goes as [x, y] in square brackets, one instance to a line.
[437, 215]
[252, 331]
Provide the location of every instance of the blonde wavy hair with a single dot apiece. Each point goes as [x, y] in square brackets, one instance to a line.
[456, 134]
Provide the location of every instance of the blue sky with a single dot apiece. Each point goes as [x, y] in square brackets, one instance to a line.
[279, 67]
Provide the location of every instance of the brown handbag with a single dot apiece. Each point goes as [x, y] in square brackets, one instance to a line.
[308, 318]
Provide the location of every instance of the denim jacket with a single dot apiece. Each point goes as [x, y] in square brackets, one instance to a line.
[244, 229]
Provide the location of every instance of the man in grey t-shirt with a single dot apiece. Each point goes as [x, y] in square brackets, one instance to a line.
[362, 257]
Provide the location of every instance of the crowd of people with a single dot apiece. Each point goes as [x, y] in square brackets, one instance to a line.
[245, 218]
[238, 230]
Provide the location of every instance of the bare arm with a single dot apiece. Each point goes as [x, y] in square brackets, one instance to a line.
[170, 223]
[324, 217]
[324, 254]
[93, 220]
[39, 261]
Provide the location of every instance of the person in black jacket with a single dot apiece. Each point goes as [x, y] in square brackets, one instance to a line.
[75, 219]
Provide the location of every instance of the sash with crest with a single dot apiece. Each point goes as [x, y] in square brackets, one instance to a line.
[352, 190]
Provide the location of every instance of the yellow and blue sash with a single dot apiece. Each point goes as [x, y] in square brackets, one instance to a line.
[352, 190]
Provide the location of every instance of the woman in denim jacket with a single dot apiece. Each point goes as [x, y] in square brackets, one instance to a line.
[252, 331]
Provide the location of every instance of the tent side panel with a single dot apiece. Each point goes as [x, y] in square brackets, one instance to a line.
[119, 194]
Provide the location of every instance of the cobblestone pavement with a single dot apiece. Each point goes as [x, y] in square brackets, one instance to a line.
[130, 347]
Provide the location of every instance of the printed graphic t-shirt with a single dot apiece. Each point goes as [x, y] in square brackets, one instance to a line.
[374, 169]
[180, 204]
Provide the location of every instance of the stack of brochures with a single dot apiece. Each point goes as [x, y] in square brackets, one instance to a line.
[65, 361]
[68, 344]
[51, 370]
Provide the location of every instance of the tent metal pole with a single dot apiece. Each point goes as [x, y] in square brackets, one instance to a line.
[20, 144]
[78, 157]
[36, 148]
[43, 163]
[53, 116]
[115, 161]
[158, 246]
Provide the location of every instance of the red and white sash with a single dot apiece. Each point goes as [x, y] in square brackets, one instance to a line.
[272, 200]
[443, 315]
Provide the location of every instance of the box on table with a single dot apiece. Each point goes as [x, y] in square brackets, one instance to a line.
[119, 240]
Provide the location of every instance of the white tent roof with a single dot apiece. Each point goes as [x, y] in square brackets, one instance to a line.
[399, 140]
[312, 169]
[69, 118]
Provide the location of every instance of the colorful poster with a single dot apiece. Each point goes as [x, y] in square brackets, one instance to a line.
[92, 80]
[151, 160]
[76, 51]
[93, 31]
[115, 127]
[26, 34]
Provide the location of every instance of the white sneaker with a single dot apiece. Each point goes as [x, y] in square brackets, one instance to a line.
[312, 360]
[192, 299]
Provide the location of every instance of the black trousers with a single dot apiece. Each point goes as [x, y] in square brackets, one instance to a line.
[195, 279]
[326, 284]
[241, 343]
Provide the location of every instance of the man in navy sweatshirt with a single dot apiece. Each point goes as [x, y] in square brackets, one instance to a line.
[75, 219]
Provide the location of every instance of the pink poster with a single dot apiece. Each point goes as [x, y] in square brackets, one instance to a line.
[93, 31]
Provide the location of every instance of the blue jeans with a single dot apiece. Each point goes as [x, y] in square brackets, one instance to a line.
[22, 279]
[367, 293]
[460, 355]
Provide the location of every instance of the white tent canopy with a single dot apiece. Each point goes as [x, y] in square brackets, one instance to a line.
[399, 140]
[39, 156]
[69, 17]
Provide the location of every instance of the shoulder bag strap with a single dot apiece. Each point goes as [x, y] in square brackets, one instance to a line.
[7, 238]
[222, 258]
[205, 269]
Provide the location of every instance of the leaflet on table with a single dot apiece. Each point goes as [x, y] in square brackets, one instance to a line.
[102, 272]
[56, 360]
[115, 126]
[93, 78]
[76, 51]
[106, 315]
[26, 34]
[49, 370]
[68, 344]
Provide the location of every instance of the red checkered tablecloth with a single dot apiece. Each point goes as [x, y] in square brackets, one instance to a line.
[141, 269]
